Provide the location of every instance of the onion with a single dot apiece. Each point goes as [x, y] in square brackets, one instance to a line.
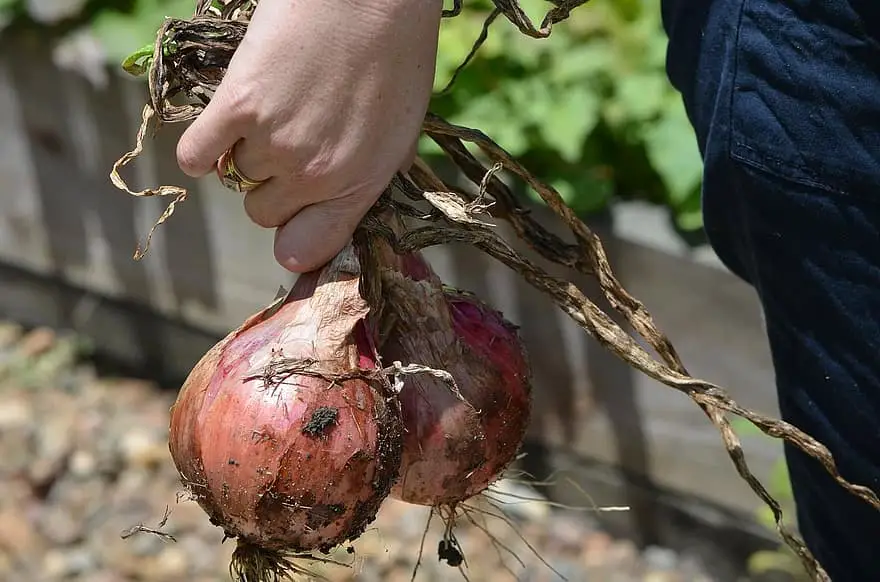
[284, 432]
[458, 440]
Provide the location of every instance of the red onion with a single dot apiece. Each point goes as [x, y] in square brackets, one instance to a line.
[281, 432]
[455, 444]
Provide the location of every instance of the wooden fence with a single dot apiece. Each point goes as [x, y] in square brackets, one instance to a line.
[67, 235]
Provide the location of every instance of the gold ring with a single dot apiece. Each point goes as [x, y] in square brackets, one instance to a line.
[231, 177]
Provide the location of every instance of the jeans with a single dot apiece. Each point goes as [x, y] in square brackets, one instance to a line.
[784, 98]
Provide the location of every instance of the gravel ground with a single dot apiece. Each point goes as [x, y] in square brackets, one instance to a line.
[83, 458]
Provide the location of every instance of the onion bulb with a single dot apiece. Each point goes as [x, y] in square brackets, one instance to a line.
[458, 439]
[284, 432]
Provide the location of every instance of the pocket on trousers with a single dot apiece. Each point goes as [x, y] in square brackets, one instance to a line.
[805, 102]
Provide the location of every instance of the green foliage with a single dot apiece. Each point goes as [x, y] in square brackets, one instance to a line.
[122, 33]
[121, 26]
[588, 109]
[8, 10]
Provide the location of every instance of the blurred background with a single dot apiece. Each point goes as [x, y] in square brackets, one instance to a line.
[93, 345]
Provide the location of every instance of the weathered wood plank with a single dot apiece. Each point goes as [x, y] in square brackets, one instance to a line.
[66, 218]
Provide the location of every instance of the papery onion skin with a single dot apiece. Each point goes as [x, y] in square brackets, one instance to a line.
[279, 454]
[455, 446]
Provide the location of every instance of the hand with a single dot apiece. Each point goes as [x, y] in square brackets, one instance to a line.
[325, 99]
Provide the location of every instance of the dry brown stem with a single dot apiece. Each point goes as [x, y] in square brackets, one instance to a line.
[190, 59]
[156, 531]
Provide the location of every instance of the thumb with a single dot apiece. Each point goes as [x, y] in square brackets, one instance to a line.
[318, 232]
[211, 134]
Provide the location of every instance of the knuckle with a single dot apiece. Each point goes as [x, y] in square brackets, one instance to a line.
[318, 166]
[240, 102]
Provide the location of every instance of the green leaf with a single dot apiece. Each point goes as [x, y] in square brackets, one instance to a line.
[592, 192]
[689, 213]
[629, 9]
[138, 62]
[566, 190]
[655, 47]
[8, 8]
[512, 138]
[642, 96]
[672, 149]
[568, 122]
[490, 113]
[122, 33]
[689, 220]
[530, 98]
[456, 39]
[580, 64]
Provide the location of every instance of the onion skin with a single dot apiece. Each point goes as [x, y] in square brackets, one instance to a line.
[455, 446]
[299, 464]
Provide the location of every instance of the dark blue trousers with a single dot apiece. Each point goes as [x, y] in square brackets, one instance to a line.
[784, 97]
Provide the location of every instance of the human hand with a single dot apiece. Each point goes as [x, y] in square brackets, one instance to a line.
[325, 101]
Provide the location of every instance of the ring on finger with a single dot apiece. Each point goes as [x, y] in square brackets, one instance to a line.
[233, 178]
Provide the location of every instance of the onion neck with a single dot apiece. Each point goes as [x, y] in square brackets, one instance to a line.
[322, 313]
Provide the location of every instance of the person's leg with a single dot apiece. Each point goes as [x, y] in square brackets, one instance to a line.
[815, 263]
[786, 106]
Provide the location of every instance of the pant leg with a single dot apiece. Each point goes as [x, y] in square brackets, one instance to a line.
[785, 101]
[816, 266]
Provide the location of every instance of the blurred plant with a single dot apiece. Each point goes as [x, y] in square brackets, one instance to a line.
[588, 109]
[781, 559]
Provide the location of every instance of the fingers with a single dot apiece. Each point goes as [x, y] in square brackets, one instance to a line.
[215, 130]
[273, 203]
[252, 160]
[317, 233]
